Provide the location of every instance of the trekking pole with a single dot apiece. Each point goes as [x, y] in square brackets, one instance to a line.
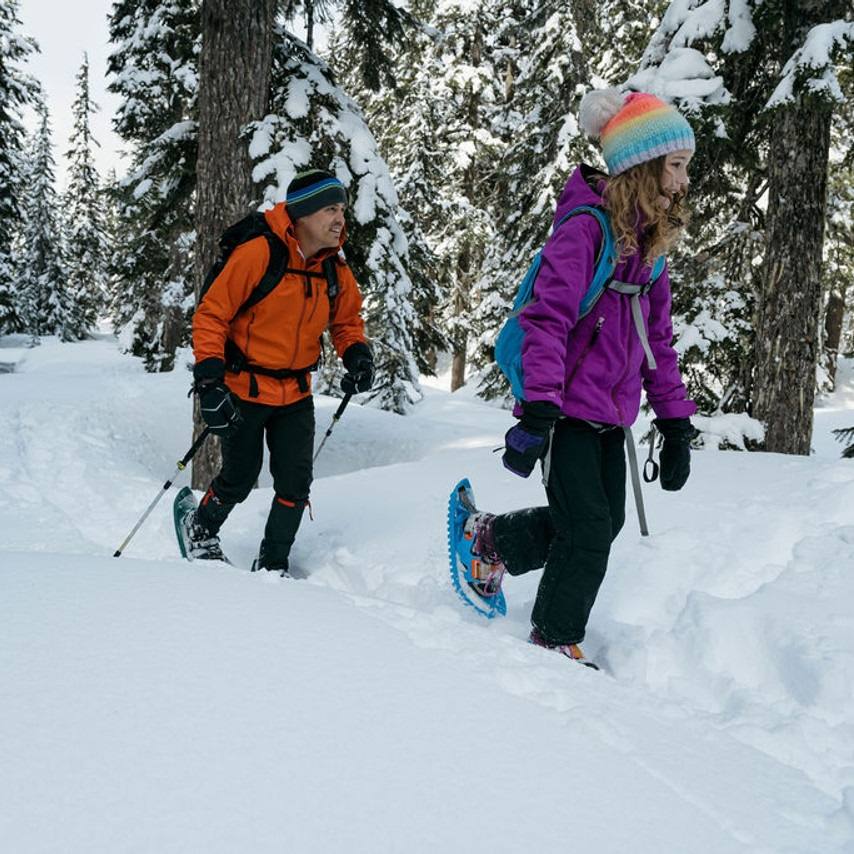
[335, 418]
[633, 469]
[182, 464]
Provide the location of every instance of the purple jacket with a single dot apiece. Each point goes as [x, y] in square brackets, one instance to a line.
[593, 368]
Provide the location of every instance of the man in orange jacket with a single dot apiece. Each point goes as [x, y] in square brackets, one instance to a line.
[253, 366]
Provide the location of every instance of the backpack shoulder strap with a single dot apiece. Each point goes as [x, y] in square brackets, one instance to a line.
[606, 259]
[657, 269]
[330, 273]
[272, 275]
[251, 226]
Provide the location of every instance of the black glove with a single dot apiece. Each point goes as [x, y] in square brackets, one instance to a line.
[360, 369]
[675, 452]
[216, 404]
[528, 441]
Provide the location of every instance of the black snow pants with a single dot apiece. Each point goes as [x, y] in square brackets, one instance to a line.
[290, 439]
[571, 537]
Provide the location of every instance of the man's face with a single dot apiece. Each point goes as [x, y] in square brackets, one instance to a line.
[322, 229]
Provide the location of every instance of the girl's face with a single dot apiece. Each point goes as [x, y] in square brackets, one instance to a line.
[674, 175]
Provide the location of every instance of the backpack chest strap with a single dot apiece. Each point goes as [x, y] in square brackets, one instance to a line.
[635, 292]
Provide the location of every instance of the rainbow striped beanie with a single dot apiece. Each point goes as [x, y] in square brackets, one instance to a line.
[633, 128]
[311, 191]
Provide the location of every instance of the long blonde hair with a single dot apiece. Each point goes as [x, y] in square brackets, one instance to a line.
[632, 198]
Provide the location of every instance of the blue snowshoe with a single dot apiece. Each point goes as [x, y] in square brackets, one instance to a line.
[472, 579]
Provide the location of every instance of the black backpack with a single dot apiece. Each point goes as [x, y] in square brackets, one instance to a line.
[250, 227]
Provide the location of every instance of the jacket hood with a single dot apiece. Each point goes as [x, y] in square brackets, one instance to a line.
[579, 192]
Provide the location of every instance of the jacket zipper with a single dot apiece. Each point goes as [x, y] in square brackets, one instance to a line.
[315, 301]
[622, 377]
[587, 348]
[306, 295]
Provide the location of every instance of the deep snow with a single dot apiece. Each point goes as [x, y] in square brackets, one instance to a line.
[148, 704]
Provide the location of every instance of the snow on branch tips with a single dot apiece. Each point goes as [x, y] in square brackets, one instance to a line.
[684, 22]
[683, 75]
[812, 65]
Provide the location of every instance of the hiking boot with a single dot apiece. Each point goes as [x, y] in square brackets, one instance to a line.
[199, 543]
[281, 568]
[487, 568]
[570, 650]
[271, 562]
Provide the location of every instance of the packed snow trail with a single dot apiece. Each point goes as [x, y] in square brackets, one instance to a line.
[151, 704]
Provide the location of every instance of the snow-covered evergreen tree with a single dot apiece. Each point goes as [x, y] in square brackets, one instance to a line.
[153, 66]
[16, 91]
[545, 71]
[47, 308]
[713, 273]
[83, 211]
[314, 124]
[404, 117]
[733, 66]
[435, 128]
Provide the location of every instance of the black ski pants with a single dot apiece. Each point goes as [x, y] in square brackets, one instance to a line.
[289, 431]
[571, 537]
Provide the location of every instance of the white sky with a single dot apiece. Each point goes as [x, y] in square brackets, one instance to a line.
[64, 31]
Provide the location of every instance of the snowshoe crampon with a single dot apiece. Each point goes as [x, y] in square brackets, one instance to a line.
[464, 566]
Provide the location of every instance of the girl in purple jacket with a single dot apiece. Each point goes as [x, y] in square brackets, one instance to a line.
[583, 377]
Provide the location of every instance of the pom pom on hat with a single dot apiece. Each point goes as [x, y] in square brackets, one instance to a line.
[633, 128]
[597, 108]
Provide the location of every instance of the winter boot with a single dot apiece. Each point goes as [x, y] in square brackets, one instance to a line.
[267, 559]
[487, 568]
[570, 650]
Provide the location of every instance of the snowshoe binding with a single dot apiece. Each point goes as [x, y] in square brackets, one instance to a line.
[194, 540]
[476, 581]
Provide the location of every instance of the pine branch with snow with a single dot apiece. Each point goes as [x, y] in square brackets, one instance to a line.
[314, 124]
[83, 211]
[153, 69]
[48, 307]
[17, 90]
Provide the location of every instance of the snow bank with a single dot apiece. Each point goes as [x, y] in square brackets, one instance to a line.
[151, 704]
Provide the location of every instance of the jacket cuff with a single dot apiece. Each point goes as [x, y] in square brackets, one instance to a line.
[209, 369]
[674, 408]
[539, 416]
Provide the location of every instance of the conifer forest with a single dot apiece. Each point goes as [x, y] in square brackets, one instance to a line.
[453, 124]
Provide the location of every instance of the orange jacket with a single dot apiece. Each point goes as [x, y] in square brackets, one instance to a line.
[283, 330]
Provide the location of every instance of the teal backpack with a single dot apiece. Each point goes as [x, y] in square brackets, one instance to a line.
[508, 344]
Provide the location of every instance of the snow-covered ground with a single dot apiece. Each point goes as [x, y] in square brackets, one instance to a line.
[151, 705]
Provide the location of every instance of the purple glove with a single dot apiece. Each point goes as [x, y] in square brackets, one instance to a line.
[528, 441]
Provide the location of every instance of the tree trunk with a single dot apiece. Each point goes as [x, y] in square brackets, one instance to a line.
[790, 297]
[459, 344]
[833, 317]
[458, 370]
[234, 87]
